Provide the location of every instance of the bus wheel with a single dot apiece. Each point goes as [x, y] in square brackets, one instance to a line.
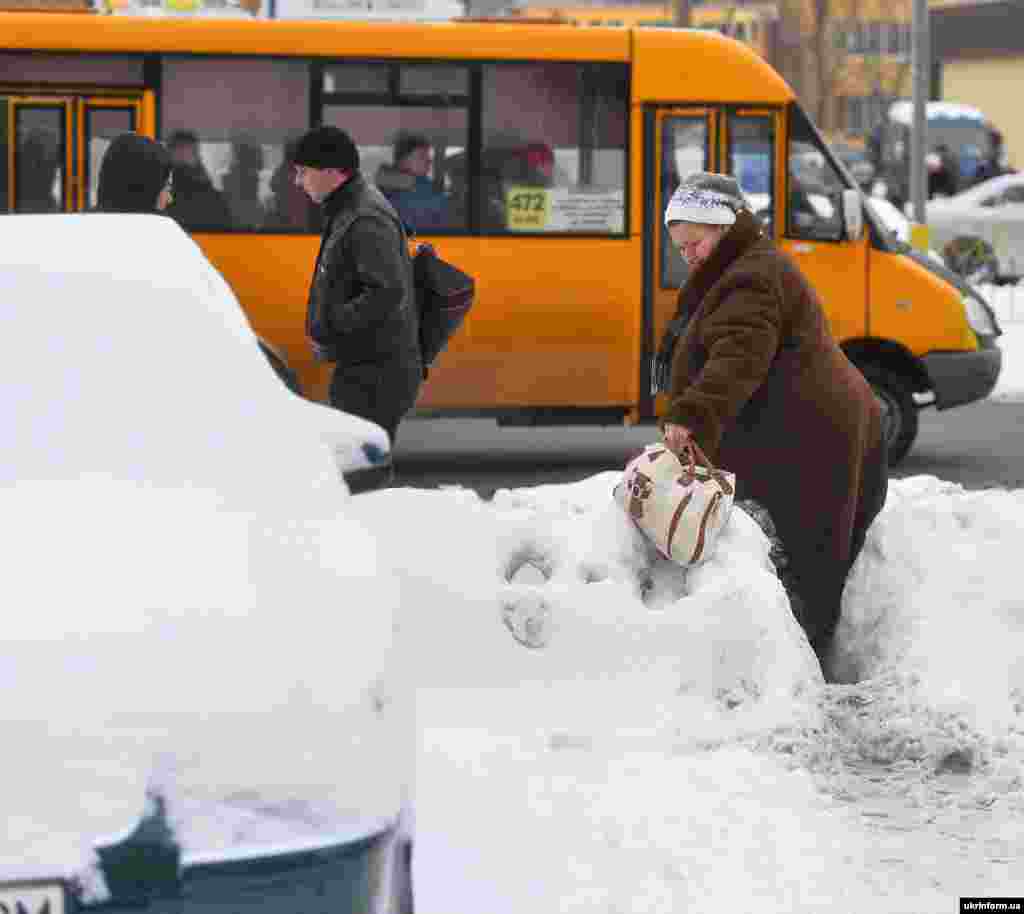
[972, 258]
[899, 411]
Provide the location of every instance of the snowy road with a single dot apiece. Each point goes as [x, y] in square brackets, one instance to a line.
[978, 446]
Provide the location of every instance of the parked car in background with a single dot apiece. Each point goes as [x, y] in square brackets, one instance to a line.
[980, 232]
[199, 712]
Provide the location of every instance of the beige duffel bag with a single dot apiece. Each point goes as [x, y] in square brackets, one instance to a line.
[679, 506]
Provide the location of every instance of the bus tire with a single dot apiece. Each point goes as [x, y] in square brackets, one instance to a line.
[971, 257]
[899, 411]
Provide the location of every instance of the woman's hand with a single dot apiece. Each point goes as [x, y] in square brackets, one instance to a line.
[676, 436]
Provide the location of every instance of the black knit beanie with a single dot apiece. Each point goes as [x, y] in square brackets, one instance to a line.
[326, 147]
[133, 172]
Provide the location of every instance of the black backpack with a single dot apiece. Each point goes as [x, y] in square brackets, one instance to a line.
[444, 295]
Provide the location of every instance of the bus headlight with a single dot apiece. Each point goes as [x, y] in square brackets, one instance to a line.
[980, 317]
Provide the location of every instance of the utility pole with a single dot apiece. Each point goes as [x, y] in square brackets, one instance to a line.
[921, 63]
[682, 13]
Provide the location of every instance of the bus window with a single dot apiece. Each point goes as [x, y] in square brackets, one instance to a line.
[94, 69]
[751, 154]
[411, 124]
[450, 82]
[684, 149]
[227, 122]
[103, 126]
[5, 179]
[554, 148]
[815, 187]
[40, 152]
[409, 121]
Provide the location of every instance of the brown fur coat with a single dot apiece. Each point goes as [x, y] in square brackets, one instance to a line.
[765, 390]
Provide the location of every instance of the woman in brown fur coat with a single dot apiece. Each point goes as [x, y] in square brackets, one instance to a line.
[756, 379]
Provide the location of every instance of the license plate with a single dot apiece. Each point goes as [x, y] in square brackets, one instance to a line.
[32, 898]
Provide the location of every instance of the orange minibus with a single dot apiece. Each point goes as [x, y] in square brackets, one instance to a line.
[554, 149]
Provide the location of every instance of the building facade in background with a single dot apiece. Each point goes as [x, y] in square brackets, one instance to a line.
[979, 49]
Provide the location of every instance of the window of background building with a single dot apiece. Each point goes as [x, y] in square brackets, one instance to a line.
[242, 113]
[852, 113]
[418, 112]
[874, 37]
[892, 38]
[862, 113]
[553, 157]
[856, 37]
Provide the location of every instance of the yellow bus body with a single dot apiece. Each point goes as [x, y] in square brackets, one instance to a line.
[564, 323]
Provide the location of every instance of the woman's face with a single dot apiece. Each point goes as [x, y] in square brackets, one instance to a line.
[695, 242]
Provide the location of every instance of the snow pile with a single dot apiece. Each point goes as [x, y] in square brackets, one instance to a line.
[599, 728]
[906, 613]
[563, 571]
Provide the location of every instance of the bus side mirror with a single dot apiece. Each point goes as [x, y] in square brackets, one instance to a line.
[853, 213]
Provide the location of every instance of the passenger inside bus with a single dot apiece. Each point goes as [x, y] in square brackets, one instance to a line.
[532, 165]
[408, 184]
[492, 208]
[198, 205]
[242, 186]
[289, 208]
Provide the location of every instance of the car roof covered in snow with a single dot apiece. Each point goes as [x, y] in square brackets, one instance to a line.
[120, 339]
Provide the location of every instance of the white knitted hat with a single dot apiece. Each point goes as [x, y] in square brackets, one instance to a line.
[706, 198]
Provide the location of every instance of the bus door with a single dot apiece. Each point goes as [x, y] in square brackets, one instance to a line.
[680, 140]
[51, 146]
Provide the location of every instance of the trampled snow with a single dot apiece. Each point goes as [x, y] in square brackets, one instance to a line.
[654, 740]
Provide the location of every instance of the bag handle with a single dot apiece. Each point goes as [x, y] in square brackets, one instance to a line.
[696, 457]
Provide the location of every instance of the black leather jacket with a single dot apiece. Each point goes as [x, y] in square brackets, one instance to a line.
[361, 305]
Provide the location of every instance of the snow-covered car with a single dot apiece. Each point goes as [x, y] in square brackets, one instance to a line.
[199, 703]
[980, 232]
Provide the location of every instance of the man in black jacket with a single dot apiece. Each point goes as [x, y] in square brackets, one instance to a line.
[362, 313]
